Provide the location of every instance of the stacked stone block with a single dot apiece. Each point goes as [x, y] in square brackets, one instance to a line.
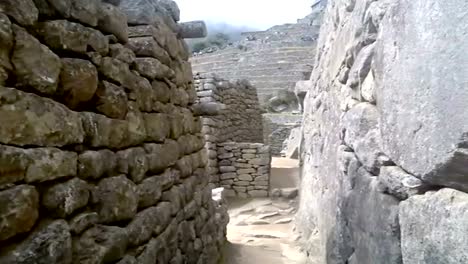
[231, 113]
[101, 155]
[240, 117]
[244, 169]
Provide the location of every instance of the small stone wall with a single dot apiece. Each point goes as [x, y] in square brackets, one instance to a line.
[232, 113]
[101, 155]
[240, 120]
[244, 169]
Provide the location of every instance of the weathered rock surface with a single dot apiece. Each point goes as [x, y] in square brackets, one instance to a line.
[18, 210]
[101, 244]
[433, 227]
[101, 157]
[397, 182]
[49, 243]
[63, 199]
[95, 164]
[111, 100]
[112, 20]
[117, 199]
[406, 78]
[63, 35]
[23, 12]
[373, 222]
[78, 81]
[28, 119]
[36, 66]
[380, 129]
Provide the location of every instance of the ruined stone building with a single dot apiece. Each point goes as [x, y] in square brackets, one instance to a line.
[102, 156]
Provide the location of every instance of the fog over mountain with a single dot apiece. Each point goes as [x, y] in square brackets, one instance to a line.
[219, 34]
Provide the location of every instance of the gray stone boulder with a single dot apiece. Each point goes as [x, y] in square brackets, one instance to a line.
[434, 227]
[63, 35]
[361, 133]
[111, 100]
[117, 199]
[421, 89]
[50, 243]
[96, 164]
[373, 222]
[78, 81]
[133, 162]
[100, 244]
[36, 66]
[23, 12]
[113, 21]
[153, 68]
[23, 116]
[19, 210]
[399, 183]
[64, 198]
[83, 221]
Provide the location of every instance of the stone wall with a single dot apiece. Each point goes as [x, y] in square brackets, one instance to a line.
[101, 156]
[230, 113]
[277, 128]
[239, 119]
[384, 145]
[244, 169]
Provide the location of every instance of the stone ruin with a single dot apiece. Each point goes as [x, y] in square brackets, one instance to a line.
[102, 155]
[384, 135]
[272, 60]
[232, 125]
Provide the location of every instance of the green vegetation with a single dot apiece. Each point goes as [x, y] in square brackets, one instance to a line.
[217, 40]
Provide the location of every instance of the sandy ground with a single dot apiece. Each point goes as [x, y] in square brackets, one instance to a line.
[260, 230]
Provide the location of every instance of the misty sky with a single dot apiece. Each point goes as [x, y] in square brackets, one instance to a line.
[259, 14]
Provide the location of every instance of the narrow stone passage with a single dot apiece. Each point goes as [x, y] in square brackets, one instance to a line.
[261, 229]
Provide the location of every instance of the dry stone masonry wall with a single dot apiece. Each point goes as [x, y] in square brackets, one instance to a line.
[238, 116]
[244, 169]
[233, 130]
[384, 136]
[101, 153]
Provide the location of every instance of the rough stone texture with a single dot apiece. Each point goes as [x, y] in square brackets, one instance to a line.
[63, 199]
[78, 81]
[101, 161]
[24, 12]
[380, 129]
[406, 78]
[28, 119]
[36, 66]
[18, 210]
[433, 227]
[50, 243]
[244, 169]
[229, 112]
[399, 183]
[117, 199]
[240, 117]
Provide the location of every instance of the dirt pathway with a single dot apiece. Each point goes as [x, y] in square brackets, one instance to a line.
[260, 230]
